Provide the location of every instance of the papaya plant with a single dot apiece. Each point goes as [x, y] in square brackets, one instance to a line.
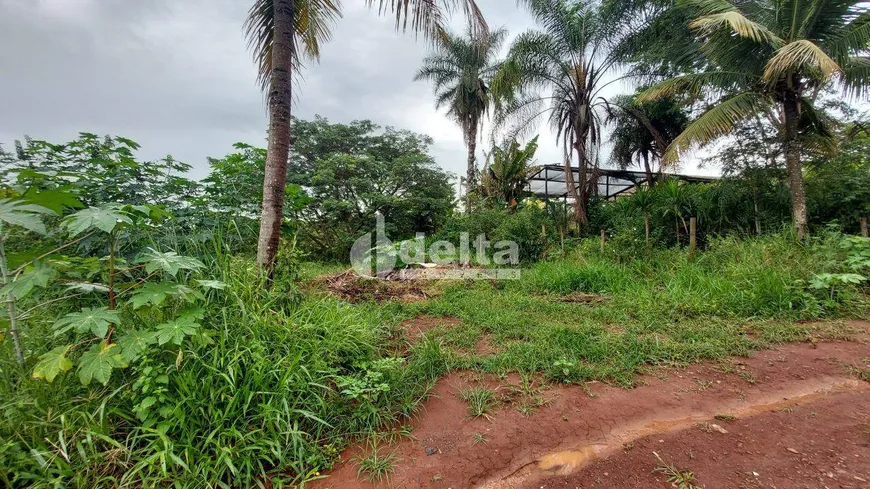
[140, 298]
[14, 213]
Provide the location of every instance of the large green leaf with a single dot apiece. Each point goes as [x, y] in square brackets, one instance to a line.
[15, 213]
[56, 200]
[175, 331]
[104, 218]
[212, 284]
[52, 363]
[98, 363]
[156, 293]
[170, 262]
[93, 319]
[134, 343]
[38, 276]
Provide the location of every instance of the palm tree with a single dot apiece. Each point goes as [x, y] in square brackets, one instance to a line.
[773, 57]
[461, 70]
[673, 199]
[276, 30]
[643, 131]
[507, 171]
[559, 70]
[644, 201]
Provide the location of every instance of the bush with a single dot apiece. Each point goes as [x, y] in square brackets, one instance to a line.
[529, 226]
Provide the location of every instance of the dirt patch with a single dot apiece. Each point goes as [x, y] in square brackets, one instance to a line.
[417, 327]
[802, 396]
[484, 346]
[824, 443]
[352, 287]
[580, 298]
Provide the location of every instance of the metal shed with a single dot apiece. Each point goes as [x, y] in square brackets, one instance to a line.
[548, 181]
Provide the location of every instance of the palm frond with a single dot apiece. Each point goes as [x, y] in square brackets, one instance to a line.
[738, 23]
[797, 55]
[694, 84]
[429, 17]
[312, 25]
[856, 76]
[716, 122]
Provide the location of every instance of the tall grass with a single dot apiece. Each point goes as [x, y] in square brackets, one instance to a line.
[272, 390]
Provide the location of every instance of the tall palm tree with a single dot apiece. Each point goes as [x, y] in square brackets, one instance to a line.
[642, 132]
[281, 33]
[558, 70]
[773, 57]
[461, 69]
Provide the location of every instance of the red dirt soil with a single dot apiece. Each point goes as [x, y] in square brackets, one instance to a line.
[415, 328]
[802, 420]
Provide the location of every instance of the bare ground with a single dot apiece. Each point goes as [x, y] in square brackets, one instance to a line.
[792, 417]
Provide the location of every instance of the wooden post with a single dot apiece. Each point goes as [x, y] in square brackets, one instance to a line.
[864, 227]
[602, 241]
[692, 228]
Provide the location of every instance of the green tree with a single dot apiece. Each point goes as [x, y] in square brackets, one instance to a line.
[643, 200]
[350, 171]
[99, 170]
[461, 70]
[507, 171]
[559, 71]
[773, 57]
[280, 33]
[642, 132]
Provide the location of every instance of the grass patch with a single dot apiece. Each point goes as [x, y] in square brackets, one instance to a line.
[481, 401]
[376, 467]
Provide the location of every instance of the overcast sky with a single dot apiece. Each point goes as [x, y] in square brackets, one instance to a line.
[175, 76]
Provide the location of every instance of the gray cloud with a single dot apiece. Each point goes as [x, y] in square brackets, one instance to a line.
[175, 76]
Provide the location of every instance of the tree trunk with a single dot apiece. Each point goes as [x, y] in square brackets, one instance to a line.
[693, 227]
[278, 150]
[10, 306]
[471, 171]
[646, 226]
[649, 174]
[791, 149]
[577, 190]
[757, 215]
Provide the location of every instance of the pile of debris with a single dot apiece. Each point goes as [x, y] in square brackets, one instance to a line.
[352, 287]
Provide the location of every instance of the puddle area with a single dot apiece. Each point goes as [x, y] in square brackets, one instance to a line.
[567, 462]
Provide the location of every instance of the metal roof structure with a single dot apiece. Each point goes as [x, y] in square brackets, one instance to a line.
[549, 181]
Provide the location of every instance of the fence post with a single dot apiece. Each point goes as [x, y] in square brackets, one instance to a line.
[602, 241]
[693, 225]
[864, 227]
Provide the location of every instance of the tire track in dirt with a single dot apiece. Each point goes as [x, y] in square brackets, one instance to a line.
[574, 428]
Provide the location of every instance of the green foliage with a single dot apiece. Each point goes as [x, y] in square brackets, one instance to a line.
[98, 362]
[507, 171]
[529, 226]
[95, 320]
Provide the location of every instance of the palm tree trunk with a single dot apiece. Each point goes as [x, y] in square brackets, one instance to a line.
[278, 150]
[649, 175]
[471, 171]
[791, 149]
[577, 190]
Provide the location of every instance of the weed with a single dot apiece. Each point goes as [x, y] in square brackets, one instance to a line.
[481, 401]
[725, 417]
[679, 479]
[478, 438]
[748, 377]
[376, 467]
